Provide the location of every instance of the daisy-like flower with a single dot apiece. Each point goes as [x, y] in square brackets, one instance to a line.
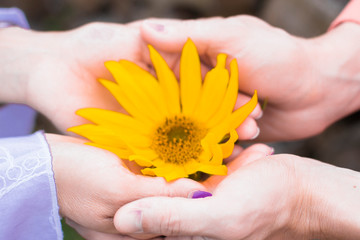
[173, 129]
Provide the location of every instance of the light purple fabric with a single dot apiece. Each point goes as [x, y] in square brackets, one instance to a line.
[16, 120]
[13, 16]
[28, 203]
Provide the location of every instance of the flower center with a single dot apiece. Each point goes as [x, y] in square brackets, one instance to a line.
[178, 140]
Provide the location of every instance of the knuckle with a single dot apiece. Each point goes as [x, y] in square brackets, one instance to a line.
[170, 224]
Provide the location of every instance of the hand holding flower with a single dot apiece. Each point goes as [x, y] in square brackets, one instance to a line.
[307, 83]
[56, 72]
[93, 183]
[273, 197]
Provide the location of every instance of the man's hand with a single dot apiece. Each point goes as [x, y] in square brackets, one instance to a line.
[307, 83]
[273, 197]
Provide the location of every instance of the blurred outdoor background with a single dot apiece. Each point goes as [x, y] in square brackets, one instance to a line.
[338, 145]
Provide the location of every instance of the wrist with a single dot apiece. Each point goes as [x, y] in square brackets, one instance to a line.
[24, 54]
[337, 74]
[328, 204]
[14, 64]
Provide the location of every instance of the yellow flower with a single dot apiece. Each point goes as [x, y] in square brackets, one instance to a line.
[172, 130]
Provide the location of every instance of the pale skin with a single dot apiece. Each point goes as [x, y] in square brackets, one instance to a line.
[309, 84]
[56, 73]
[273, 197]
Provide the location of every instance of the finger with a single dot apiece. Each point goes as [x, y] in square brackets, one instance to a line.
[248, 130]
[242, 100]
[166, 216]
[157, 186]
[237, 150]
[91, 234]
[249, 155]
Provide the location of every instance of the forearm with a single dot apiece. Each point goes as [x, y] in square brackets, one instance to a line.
[337, 62]
[342, 210]
[329, 206]
[14, 64]
[22, 54]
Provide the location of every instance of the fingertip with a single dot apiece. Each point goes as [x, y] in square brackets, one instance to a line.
[250, 155]
[261, 148]
[162, 34]
[248, 130]
[237, 150]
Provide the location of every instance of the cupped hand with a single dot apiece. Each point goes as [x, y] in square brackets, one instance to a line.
[56, 72]
[297, 78]
[93, 183]
[272, 197]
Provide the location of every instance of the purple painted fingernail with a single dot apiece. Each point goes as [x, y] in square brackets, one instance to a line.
[200, 194]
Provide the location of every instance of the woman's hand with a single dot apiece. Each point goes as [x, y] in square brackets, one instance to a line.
[56, 72]
[93, 183]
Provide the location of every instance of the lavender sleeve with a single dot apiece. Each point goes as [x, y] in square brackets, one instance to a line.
[28, 203]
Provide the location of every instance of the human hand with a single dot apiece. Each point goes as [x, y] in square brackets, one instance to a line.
[299, 78]
[56, 72]
[93, 183]
[273, 197]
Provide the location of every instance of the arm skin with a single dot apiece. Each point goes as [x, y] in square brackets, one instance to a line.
[309, 83]
[273, 197]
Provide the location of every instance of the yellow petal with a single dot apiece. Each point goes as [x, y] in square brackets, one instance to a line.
[230, 97]
[190, 78]
[167, 80]
[191, 167]
[125, 102]
[237, 117]
[147, 153]
[213, 91]
[168, 171]
[148, 172]
[149, 84]
[228, 147]
[111, 136]
[107, 117]
[121, 153]
[98, 135]
[134, 92]
[141, 160]
[213, 169]
[211, 147]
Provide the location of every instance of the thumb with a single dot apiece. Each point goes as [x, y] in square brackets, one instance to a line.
[166, 216]
[209, 35]
[146, 186]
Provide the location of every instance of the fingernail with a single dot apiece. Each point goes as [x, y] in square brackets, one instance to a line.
[259, 116]
[256, 134]
[131, 222]
[271, 152]
[156, 26]
[199, 194]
